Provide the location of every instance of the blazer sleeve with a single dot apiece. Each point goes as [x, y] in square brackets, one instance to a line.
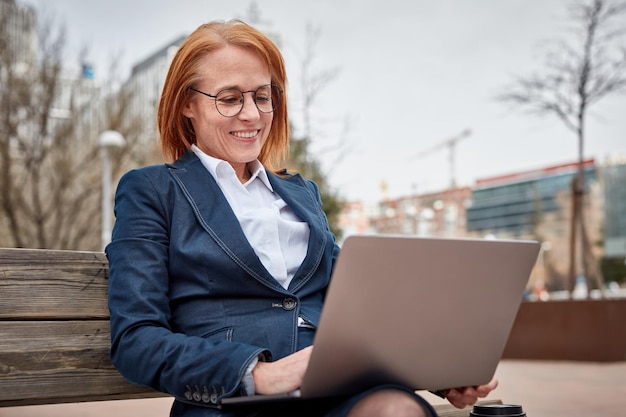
[143, 346]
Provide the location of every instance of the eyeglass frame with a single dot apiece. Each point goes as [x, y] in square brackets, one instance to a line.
[243, 97]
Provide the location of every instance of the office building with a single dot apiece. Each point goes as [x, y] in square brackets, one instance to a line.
[614, 178]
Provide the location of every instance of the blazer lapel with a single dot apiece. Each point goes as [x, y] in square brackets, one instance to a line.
[216, 216]
[303, 201]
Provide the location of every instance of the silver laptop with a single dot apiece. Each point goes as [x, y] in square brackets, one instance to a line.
[427, 313]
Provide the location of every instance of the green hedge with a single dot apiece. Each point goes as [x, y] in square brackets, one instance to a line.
[614, 269]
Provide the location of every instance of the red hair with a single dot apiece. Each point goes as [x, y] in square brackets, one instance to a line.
[177, 134]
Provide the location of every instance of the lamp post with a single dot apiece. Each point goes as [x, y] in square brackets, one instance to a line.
[107, 139]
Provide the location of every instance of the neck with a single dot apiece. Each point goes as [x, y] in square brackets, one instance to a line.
[243, 174]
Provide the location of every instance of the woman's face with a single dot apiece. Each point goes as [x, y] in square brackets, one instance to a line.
[239, 139]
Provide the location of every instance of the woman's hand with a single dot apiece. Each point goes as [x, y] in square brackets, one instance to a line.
[462, 397]
[284, 375]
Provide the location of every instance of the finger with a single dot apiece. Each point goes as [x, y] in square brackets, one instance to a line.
[484, 390]
[457, 404]
[455, 399]
[468, 392]
[462, 397]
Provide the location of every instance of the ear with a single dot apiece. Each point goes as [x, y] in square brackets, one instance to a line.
[188, 110]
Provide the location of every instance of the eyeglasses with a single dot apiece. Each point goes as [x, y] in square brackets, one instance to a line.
[229, 102]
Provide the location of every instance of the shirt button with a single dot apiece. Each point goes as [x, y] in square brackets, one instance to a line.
[289, 304]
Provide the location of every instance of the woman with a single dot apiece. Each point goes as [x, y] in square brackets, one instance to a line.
[218, 264]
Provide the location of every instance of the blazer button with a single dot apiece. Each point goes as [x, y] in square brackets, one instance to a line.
[188, 393]
[196, 394]
[289, 304]
[205, 395]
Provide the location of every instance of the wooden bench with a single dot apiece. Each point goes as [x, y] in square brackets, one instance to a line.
[54, 331]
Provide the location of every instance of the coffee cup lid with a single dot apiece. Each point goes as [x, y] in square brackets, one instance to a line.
[488, 410]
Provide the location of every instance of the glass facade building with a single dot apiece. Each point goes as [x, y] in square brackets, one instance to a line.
[514, 205]
[614, 176]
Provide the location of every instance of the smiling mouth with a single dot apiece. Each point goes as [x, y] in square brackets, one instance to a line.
[245, 135]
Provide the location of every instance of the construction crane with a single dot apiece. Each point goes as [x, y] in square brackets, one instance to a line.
[449, 143]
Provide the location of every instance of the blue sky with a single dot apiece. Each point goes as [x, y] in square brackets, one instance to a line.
[410, 76]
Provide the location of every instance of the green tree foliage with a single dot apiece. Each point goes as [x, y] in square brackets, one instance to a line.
[614, 269]
[301, 161]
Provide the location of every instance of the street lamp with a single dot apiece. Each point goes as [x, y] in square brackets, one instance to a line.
[107, 139]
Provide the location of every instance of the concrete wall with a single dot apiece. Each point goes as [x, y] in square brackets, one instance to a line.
[579, 330]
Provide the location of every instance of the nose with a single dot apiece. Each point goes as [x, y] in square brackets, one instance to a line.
[249, 110]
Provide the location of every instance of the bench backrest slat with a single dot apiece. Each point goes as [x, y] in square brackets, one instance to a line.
[53, 284]
[54, 330]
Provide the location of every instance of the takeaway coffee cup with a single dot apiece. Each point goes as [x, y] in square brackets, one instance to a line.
[489, 410]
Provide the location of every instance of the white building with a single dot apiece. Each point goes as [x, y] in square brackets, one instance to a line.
[145, 84]
[19, 24]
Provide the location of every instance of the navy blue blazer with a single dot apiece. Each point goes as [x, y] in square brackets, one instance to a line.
[191, 304]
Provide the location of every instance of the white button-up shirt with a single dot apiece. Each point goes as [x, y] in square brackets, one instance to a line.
[277, 235]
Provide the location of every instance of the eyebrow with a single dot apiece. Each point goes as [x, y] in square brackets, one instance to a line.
[237, 87]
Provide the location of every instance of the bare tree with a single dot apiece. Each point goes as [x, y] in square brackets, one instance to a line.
[576, 76]
[313, 81]
[312, 85]
[50, 163]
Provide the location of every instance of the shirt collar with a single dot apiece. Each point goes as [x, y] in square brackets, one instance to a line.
[218, 168]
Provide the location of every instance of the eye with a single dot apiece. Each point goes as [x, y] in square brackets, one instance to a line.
[264, 94]
[229, 97]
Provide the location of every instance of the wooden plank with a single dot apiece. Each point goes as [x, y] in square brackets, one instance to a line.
[41, 345]
[71, 387]
[60, 361]
[52, 284]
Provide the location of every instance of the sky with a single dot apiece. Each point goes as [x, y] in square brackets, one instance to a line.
[409, 77]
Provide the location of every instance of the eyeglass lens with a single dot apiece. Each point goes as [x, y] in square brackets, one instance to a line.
[230, 102]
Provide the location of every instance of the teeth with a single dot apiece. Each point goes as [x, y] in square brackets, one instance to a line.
[245, 135]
